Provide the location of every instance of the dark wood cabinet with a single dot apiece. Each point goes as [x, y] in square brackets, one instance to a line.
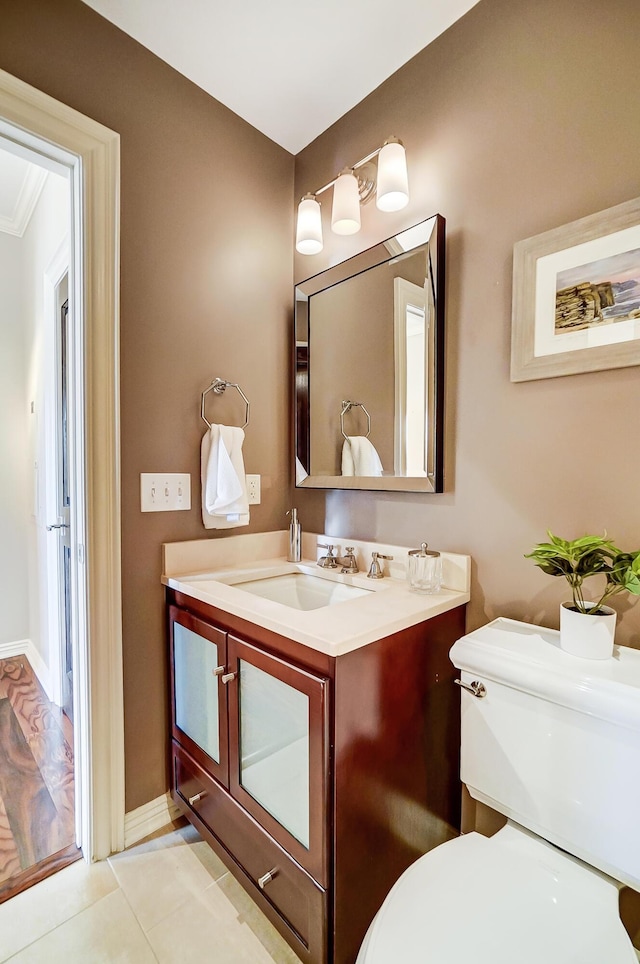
[317, 779]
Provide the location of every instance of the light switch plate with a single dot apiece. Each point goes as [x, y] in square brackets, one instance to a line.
[165, 491]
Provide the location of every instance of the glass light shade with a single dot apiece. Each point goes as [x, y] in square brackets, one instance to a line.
[345, 213]
[392, 192]
[309, 226]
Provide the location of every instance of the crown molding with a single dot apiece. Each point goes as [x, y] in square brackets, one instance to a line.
[28, 197]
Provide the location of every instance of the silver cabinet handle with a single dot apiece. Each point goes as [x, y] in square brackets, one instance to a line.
[228, 677]
[267, 878]
[196, 797]
[218, 671]
[476, 687]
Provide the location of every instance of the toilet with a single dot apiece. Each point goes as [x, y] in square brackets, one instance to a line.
[552, 741]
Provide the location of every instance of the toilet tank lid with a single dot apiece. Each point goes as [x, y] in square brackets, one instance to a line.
[529, 658]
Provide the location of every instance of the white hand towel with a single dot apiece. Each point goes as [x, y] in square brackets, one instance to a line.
[359, 457]
[348, 467]
[224, 484]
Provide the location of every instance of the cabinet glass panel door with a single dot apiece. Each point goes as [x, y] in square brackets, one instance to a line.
[198, 661]
[278, 767]
[274, 747]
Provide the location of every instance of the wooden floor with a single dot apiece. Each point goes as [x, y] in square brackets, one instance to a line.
[37, 834]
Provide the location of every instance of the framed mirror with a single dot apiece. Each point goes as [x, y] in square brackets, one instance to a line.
[369, 367]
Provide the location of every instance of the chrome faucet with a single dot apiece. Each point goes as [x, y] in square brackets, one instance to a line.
[375, 572]
[329, 561]
[349, 561]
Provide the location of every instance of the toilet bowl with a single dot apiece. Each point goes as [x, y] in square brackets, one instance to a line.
[500, 900]
[554, 744]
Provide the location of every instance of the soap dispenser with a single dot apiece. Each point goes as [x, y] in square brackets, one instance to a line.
[295, 537]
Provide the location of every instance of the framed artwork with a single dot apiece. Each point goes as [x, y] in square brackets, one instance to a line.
[576, 296]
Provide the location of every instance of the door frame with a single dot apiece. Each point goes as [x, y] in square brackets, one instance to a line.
[30, 118]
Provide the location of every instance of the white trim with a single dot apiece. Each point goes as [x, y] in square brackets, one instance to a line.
[148, 818]
[92, 154]
[24, 647]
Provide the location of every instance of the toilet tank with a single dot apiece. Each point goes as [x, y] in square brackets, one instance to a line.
[555, 742]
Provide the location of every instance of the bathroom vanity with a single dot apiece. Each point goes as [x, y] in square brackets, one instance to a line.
[315, 749]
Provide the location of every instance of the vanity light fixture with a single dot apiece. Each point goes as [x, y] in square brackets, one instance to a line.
[352, 187]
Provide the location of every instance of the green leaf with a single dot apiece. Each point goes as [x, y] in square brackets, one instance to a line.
[556, 540]
[591, 563]
[554, 567]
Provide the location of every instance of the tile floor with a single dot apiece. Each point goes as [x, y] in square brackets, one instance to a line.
[167, 900]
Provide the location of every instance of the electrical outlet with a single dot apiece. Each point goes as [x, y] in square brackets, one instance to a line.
[165, 491]
[253, 489]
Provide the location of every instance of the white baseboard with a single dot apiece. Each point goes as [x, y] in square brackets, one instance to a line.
[148, 818]
[24, 647]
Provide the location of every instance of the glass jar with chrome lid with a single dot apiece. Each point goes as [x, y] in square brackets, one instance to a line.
[424, 570]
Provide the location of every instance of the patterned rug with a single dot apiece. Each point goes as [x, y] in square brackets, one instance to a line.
[36, 775]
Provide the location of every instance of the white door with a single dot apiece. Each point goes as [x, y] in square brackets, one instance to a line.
[64, 512]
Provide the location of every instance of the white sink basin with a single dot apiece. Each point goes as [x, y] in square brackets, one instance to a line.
[300, 590]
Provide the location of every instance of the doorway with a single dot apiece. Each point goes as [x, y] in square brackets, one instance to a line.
[411, 364]
[38, 626]
[89, 153]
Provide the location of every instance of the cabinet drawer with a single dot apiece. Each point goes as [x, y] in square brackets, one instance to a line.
[294, 895]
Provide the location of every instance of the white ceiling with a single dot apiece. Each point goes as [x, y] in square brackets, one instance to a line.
[290, 68]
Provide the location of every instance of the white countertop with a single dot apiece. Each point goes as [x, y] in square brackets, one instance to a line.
[201, 569]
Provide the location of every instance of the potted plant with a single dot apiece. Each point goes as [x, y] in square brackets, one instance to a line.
[587, 626]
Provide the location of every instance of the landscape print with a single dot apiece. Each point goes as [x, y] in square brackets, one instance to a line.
[600, 293]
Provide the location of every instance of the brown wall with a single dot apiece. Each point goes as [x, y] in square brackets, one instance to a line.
[520, 118]
[206, 291]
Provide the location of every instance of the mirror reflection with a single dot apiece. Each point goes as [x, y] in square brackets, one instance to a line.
[369, 367]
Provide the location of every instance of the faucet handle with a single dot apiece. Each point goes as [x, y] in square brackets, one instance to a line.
[375, 572]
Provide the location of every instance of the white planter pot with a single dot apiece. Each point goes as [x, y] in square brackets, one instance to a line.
[582, 634]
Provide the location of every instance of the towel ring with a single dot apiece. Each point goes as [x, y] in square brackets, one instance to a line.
[347, 406]
[219, 386]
